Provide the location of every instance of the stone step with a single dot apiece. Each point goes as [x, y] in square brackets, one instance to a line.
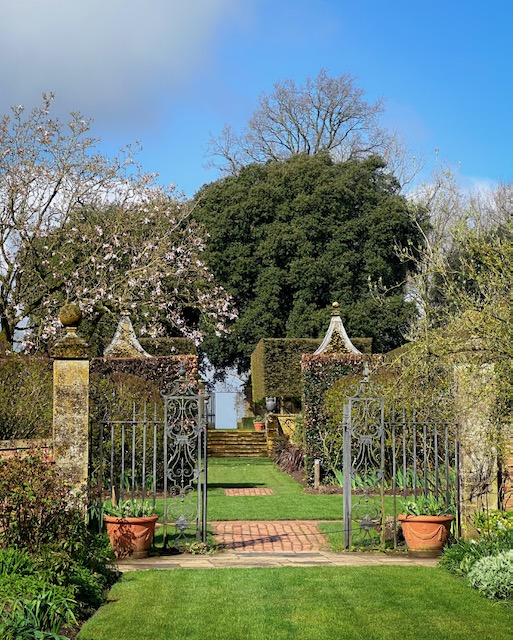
[237, 444]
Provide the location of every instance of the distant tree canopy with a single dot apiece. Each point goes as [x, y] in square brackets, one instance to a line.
[286, 239]
[324, 113]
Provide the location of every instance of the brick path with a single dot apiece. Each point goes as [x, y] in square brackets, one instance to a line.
[276, 536]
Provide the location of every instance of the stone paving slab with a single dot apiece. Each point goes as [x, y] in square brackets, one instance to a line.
[281, 543]
[232, 559]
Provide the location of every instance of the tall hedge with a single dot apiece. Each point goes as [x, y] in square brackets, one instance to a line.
[320, 372]
[276, 365]
[26, 402]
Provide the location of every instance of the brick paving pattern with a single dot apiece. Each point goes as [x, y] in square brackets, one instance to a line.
[275, 536]
[249, 491]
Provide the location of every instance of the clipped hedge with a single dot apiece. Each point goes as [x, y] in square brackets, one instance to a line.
[168, 346]
[162, 371]
[276, 365]
[320, 372]
[26, 404]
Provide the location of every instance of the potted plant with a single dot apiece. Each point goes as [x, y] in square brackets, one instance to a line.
[426, 524]
[259, 423]
[130, 527]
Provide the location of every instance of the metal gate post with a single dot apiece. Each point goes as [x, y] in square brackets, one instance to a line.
[346, 461]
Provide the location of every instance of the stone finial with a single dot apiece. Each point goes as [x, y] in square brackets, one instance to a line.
[124, 344]
[70, 346]
[70, 315]
[336, 339]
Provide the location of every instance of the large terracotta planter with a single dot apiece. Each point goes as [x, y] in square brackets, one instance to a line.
[130, 537]
[259, 426]
[425, 535]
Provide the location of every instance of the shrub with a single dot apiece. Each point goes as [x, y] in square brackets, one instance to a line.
[321, 437]
[495, 523]
[15, 587]
[288, 456]
[56, 566]
[36, 504]
[460, 557]
[493, 576]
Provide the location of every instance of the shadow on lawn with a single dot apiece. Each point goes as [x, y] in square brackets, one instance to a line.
[236, 485]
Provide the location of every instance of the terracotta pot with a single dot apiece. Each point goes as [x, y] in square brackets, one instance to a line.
[425, 535]
[130, 537]
[259, 426]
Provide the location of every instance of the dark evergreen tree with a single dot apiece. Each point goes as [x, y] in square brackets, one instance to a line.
[286, 239]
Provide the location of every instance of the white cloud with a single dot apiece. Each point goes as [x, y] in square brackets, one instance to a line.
[110, 59]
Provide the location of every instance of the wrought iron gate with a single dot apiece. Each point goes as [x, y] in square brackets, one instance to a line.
[363, 461]
[388, 454]
[157, 454]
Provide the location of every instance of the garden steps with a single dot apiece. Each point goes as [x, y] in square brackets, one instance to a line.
[232, 443]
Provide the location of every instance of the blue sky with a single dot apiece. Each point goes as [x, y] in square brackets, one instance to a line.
[170, 73]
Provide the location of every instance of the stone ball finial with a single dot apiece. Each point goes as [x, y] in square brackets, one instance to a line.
[335, 309]
[70, 315]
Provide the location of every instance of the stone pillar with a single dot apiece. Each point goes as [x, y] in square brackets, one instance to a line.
[475, 402]
[71, 399]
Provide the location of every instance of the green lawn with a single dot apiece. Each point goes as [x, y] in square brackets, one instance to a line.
[288, 502]
[317, 603]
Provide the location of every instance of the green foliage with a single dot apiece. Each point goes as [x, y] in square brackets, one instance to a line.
[463, 287]
[286, 239]
[168, 346]
[36, 504]
[198, 548]
[144, 378]
[17, 561]
[130, 509]
[495, 523]
[460, 557]
[52, 567]
[427, 505]
[14, 587]
[73, 571]
[493, 576]
[276, 365]
[42, 616]
[25, 397]
[322, 436]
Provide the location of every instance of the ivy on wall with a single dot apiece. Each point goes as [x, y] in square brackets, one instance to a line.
[276, 365]
[320, 373]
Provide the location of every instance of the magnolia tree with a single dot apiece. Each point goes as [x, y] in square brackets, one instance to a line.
[75, 225]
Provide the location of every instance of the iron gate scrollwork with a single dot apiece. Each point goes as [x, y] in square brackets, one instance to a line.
[363, 462]
[157, 454]
[185, 460]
